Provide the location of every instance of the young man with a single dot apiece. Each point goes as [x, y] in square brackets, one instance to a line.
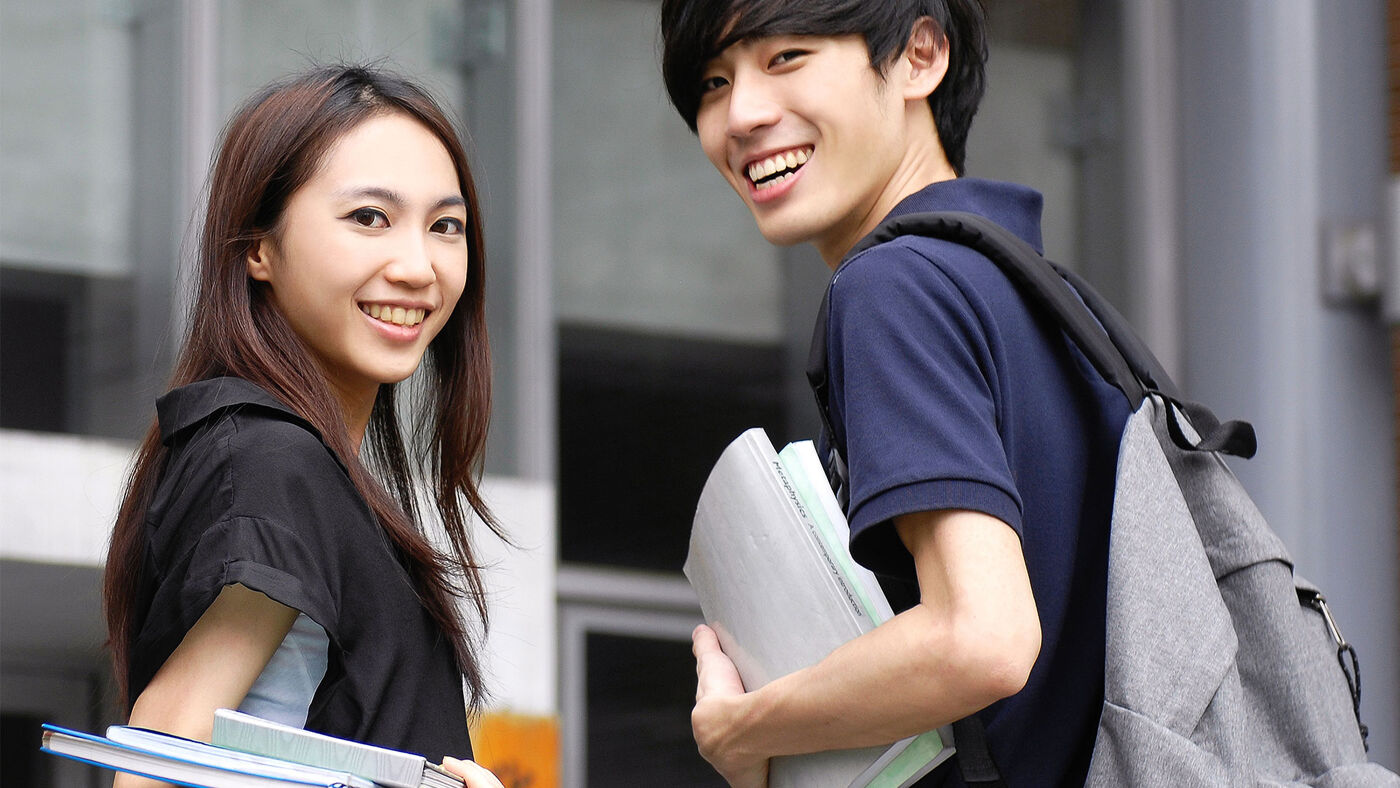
[980, 446]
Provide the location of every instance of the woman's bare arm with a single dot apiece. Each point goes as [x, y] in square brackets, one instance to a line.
[213, 667]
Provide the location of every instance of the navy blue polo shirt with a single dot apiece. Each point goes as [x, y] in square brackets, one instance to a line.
[948, 392]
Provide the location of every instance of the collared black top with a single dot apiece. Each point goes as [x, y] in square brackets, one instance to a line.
[251, 494]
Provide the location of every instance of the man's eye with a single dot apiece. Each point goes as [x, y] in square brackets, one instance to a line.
[448, 226]
[369, 217]
[713, 83]
[787, 56]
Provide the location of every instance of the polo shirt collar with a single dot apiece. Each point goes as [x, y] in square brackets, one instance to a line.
[1011, 205]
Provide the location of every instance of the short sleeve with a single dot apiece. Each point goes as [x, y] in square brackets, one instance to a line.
[265, 555]
[913, 362]
[293, 512]
[258, 501]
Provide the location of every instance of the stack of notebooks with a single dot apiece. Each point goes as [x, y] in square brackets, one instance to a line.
[249, 752]
[770, 561]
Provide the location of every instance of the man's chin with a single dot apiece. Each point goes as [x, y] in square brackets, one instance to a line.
[786, 233]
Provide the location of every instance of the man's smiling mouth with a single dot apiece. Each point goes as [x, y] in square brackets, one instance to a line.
[773, 170]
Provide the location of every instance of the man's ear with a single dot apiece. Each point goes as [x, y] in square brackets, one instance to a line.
[260, 259]
[926, 58]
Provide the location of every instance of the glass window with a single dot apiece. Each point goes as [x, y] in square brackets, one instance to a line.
[111, 110]
[68, 163]
[261, 41]
[647, 238]
[110, 113]
[635, 685]
[66, 137]
[669, 302]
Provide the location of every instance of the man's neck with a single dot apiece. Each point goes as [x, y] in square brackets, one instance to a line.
[924, 163]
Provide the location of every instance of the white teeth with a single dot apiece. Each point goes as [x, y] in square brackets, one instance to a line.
[774, 182]
[788, 160]
[398, 315]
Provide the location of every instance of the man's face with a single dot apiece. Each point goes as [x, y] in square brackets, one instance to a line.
[807, 133]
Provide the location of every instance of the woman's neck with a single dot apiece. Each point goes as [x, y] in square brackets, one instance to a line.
[357, 408]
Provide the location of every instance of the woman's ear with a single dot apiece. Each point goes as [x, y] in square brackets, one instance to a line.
[260, 259]
[926, 57]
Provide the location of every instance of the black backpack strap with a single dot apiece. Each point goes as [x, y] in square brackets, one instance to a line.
[817, 378]
[1092, 324]
[974, 759]
[1126, 341]
[1037, 281]
[1102, 334]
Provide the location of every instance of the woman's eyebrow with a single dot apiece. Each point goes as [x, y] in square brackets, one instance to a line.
[389, 196]
[395, 199]
[450, 201]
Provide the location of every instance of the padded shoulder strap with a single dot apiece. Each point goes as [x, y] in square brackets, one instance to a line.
[1095, 327]
[1033, 276]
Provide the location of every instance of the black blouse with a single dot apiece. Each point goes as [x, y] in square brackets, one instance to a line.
[250, 494]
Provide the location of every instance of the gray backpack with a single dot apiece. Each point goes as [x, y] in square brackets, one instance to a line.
[1223, 668]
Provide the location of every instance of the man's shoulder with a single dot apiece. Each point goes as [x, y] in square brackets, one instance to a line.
[898, 262]
[917, 271]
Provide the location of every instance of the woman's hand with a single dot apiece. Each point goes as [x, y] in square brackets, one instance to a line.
[473, 774]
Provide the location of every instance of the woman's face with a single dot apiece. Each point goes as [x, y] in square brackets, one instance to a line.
[370, 255]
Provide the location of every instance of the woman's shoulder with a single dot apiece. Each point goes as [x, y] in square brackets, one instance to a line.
[276, 459]
[234, 441]
[224, 402]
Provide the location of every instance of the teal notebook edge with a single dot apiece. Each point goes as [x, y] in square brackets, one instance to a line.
[926, 750]
[330, 781]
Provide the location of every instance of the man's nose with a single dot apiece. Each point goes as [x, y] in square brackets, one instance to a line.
[752, 105]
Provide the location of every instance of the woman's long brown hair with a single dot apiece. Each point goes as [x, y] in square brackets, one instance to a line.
[273, 145]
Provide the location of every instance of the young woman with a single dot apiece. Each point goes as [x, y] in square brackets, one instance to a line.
[269, 554]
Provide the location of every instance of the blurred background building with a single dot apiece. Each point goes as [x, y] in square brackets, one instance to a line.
[1218, 168]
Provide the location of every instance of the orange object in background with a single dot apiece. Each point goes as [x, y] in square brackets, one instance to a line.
[522, 750]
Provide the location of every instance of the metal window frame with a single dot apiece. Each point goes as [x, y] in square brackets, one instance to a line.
[614, 602]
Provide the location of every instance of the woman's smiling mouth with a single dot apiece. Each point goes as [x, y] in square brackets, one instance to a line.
[397, 315]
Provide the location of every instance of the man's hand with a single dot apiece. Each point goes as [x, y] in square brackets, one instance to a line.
[972, 640]
[719, 693]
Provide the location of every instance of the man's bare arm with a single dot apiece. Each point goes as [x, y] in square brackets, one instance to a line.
[970, 641]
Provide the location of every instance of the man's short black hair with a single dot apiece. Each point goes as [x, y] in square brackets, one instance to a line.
[695, 31]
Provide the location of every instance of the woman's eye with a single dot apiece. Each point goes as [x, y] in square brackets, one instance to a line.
[449, 226]
[369, 217]
[713, 83]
